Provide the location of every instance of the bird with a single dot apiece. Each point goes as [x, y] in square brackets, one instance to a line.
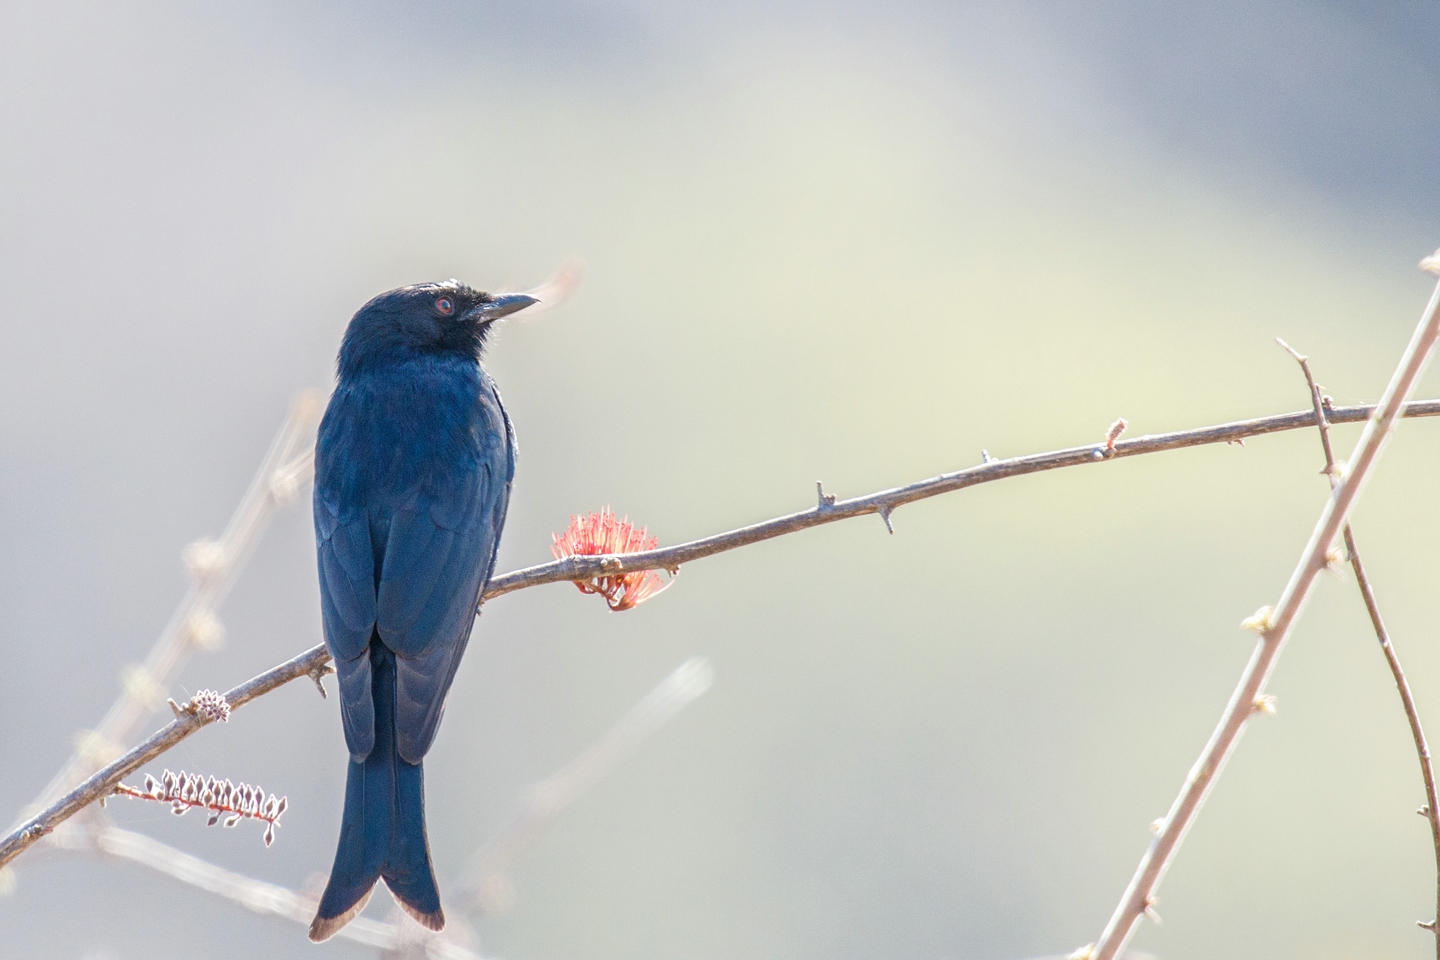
[414, 460]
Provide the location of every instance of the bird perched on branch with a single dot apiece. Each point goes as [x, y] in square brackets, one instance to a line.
[413, 467]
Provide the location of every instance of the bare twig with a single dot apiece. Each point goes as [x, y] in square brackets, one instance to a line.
[484, 885]
[882, 503]
[103, 782]
[486, 872]
[312, 662]
[1274, 627]
[1422, 749]
[214, 565]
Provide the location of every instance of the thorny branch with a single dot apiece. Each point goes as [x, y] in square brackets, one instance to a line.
[484, 885]
[1273, 624]
[313, 662]
[829, 510]
[214, 565]
[1431, 810]
[103, 783]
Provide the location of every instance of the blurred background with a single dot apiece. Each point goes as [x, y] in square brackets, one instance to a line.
[850, 242]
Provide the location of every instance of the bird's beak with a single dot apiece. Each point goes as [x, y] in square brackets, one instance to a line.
[504, 305]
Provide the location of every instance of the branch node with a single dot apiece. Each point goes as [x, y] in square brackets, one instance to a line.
[1151, 903]
[1426, 925]
[318, 674]
[1086, 952]
[175, 708]
[1157, 825]
[1259, 621]
[823, 499]
[1431, 264]
[142, 687]
[1424, 811]
[1266, 703]
[206, 559]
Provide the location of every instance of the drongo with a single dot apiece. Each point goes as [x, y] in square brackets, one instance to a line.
[413, 466]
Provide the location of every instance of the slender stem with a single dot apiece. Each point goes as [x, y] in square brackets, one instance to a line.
[668, 558]
[1407, 699]
[215, 566]
[885, 501]
[102, 784]
[1274, 625]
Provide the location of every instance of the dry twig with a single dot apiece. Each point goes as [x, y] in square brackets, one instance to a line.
[214, 565]
[313, 662]
[1431, 810]
[1273, 625]
[484, 882]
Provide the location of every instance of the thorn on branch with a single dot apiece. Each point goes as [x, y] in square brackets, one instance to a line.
[1157, 825]
[823, 499]
[1426, 925]
[1266, 703]
[1086, 952]
[985, 456]
[231, 801]
[1424, 811]
[885, 512]
[1113, 434]
[1150, 904]
[318, 674]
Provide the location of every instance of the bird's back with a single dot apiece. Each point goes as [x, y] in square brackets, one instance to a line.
[413, 469]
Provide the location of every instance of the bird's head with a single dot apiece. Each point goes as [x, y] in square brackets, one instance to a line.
[424, 318]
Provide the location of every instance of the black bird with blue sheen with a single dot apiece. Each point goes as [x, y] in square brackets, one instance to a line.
[413, 467]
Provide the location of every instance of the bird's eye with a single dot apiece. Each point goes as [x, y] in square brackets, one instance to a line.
[444, 306]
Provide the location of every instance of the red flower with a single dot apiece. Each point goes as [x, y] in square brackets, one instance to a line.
[602, 534]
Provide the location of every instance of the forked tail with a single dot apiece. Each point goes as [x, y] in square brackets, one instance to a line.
[382, 833]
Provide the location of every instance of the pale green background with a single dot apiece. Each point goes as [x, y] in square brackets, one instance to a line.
[856, 243]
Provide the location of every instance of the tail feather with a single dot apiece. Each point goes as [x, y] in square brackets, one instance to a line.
[382, 832]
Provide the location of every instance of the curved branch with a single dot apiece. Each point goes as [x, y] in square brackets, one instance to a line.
[828, 510]
[312, 662]
[102, 784]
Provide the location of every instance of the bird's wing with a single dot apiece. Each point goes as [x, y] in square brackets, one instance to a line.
[347, 607]
[438, 556]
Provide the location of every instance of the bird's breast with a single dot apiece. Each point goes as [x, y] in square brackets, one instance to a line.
[415, 428]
